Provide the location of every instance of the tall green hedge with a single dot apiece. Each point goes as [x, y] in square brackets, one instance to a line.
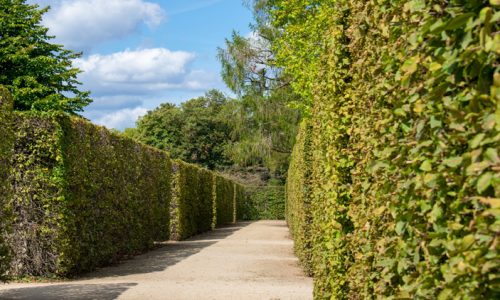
[193, 200]
[405, 131]
[224, 200]
[83, 197]
[6, 147]
[262, 203]
[298, 200]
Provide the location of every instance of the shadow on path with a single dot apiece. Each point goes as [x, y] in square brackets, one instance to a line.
[68, 292]
[157, 260]
[168, 255]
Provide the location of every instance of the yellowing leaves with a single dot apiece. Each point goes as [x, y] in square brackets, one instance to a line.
[492, 202]
[410, 66]
[434, 66]
[453, 162]
[418, 107]
[484, 182]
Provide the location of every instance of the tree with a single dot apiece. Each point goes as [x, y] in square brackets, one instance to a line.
[196, 132]
[264, 130]
[265, 121]
[39, 74]
[248, 63]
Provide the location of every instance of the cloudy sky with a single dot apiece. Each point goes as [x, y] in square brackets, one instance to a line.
[141, 53]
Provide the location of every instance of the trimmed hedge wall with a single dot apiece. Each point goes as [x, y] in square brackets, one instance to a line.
[405, 132]
[224, 200]
[6, 147]
[83, 197]
[192, 200]
[298, 199]
[262, 203]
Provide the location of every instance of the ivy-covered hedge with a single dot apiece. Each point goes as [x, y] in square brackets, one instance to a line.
[192, 200]
[262, 203]
[83, 197]
[405, 132]
[6, 147]
[224, 200]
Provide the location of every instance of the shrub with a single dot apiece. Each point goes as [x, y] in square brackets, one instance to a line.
[6, 147]
[262, 203]
[193, 200]
[404, 181]
[83, 197]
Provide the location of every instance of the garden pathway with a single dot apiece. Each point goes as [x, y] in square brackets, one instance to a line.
[248, 260]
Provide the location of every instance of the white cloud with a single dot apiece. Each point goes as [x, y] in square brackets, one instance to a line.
[81, 24]
[124, 84]
[143, 71]
[121, 119]
[114, 102]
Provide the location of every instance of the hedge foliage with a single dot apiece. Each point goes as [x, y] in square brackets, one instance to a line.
[192, 200]
[262, 203]
[83, 197]
[405, 183]
[202, 200]
[298, 199]
[6, 147]
[224, 200]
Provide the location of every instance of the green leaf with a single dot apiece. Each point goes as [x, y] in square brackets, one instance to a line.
[467, 242]
[458, 21]
[411, 65]
[435, 122]
[434, 66]
[436, 213]
[438, 26]
[445, 294]
[492, 155]
[453, 162]
[477, 168]
[484, 182]
[415, 5]
[476, 141]
[430, 180]
[486, 14]
[426, 166]
[400, 227]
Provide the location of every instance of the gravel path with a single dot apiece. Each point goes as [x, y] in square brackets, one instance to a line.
[249, 260]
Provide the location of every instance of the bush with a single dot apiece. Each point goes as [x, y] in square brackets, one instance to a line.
[262, 203]
[6, 147]
[83, 197]
[404, 182]
[192, 200]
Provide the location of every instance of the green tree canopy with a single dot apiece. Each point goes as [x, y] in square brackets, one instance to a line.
[196, 132]
[39, 74]
[265, 119]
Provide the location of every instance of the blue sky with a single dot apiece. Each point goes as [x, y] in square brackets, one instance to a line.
[141, 53]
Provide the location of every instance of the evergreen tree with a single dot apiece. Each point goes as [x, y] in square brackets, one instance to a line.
[39, 74]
